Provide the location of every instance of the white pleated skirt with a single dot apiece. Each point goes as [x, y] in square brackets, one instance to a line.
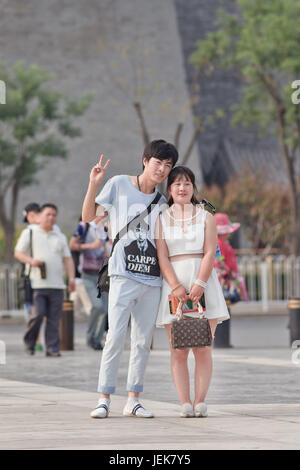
[187, 272]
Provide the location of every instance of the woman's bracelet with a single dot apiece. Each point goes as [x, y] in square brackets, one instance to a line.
[201, 283]
[174, 288]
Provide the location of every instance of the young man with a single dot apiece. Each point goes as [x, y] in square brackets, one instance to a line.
[49, 250]
[135, 279]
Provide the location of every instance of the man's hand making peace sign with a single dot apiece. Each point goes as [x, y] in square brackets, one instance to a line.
[98, 171]
[89, 207]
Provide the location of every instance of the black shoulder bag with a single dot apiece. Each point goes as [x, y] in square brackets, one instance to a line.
[103, 277]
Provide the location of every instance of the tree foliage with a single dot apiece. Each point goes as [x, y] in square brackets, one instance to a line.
[261, 43]
[249, 198]
[34, 125]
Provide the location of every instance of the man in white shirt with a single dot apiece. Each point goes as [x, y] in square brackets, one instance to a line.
[50, 253]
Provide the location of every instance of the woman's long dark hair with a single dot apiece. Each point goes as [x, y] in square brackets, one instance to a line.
[188, 174]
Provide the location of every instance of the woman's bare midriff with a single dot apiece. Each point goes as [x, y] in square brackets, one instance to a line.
[187, 256]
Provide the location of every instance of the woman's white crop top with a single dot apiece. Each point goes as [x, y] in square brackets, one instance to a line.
[180, 242]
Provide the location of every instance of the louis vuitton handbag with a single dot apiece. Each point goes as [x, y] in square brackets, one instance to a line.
[190, 332]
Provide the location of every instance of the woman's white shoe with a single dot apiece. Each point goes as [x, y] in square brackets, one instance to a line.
[201, 410]
[187, 411]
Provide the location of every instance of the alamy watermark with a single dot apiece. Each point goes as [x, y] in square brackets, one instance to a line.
[296, 95]
[2, 92]
[2, 353]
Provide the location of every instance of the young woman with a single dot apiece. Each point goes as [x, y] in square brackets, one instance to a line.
[186, 240]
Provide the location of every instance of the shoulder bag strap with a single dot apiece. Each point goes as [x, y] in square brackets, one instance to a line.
[86, 229]
[139, 216]
[30, 249]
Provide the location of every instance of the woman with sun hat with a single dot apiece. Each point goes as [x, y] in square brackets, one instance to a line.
[233, 285]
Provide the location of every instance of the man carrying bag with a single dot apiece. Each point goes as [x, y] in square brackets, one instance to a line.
[132, 204]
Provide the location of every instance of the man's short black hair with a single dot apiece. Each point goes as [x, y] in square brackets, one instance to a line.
[162, 150]
[49, 204]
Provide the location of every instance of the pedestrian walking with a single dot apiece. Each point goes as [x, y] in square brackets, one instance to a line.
[186, 241]
[135, 279]
[30, 217]
[50, 255]
[79, 297]
[89, 241]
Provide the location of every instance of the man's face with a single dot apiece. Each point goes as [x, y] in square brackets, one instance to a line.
[140, 234]
[157, 170]
[48, 217]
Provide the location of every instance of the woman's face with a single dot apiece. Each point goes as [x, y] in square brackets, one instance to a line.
[181, 190]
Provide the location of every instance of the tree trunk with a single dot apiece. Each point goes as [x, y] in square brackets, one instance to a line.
[296, 224]
[145, 134]
[177, 134]
[8, 224]
[9, 231]
[190, 147]
[289, 159]
[291, 172]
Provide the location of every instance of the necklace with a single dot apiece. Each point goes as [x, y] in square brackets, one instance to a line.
[185, 223]
[138, 183]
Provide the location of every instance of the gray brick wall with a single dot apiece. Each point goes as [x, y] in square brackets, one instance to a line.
[80, 43]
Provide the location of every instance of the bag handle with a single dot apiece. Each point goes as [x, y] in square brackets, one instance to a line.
[85, 232]
[179, 313]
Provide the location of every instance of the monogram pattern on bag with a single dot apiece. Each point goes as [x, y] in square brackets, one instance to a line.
[191, 333]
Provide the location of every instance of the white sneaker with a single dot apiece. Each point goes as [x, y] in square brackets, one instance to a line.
[187, 411]
[137, 410]
[201, 410]
[101, 411]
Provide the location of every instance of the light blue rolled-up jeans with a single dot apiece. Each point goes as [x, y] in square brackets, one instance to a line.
[128, 298]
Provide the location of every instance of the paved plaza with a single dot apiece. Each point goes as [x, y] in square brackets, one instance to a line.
[253, 401]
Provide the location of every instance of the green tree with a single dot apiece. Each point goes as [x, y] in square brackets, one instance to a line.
[34, 124]
[261, 44]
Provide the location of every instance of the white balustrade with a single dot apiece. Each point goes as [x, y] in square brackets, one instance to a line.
[272, 279]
